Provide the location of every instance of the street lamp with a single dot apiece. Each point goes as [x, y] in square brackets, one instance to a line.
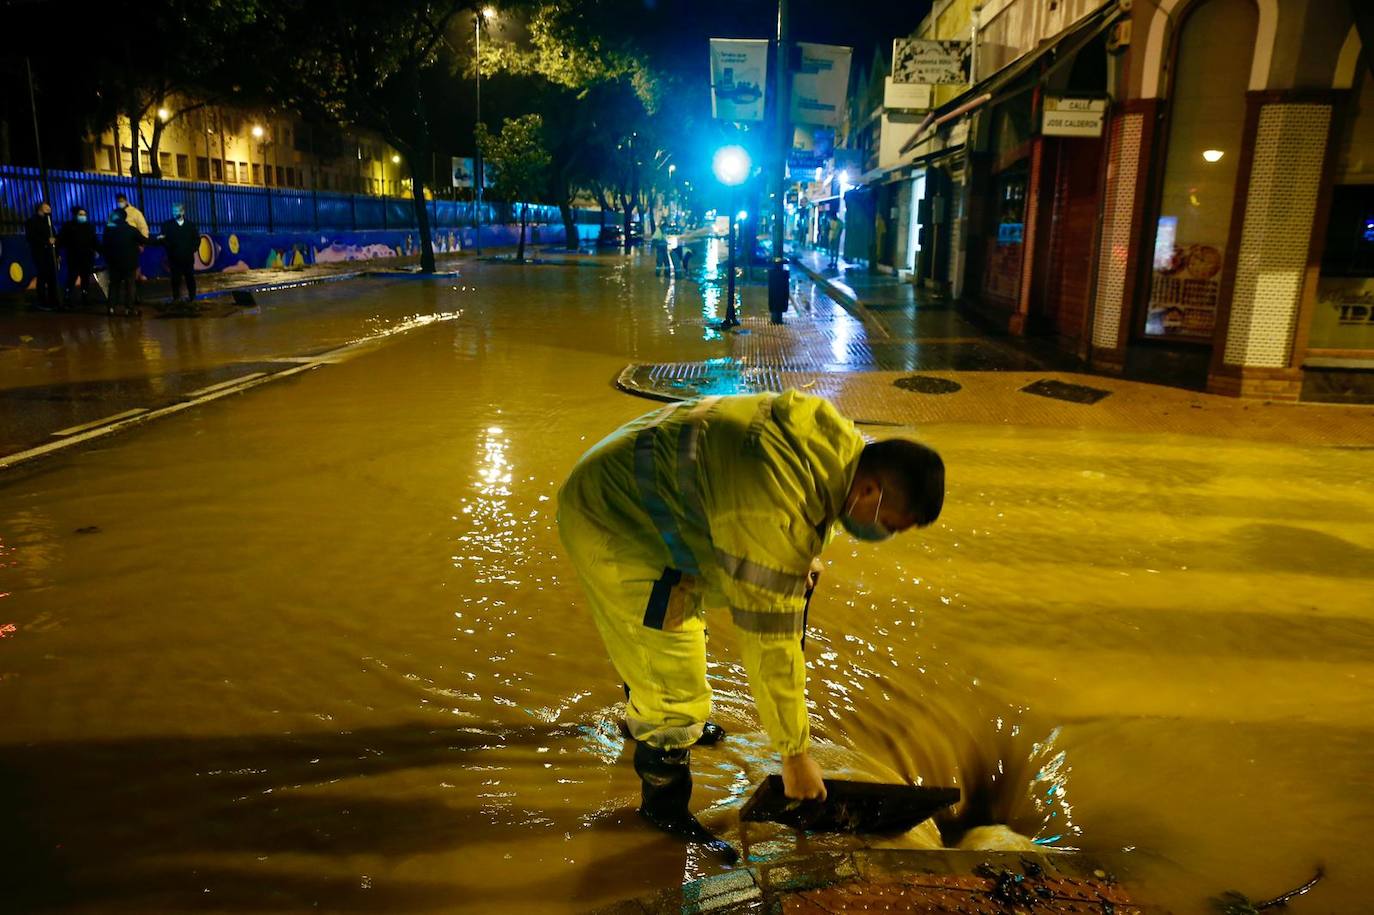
[731, 165]
[261, 136]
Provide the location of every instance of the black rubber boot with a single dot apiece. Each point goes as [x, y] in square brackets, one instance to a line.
[665, 788]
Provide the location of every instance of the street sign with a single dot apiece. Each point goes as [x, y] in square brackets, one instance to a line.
[812, 148]
[905, 96]
[919, 60]
[1073, 117]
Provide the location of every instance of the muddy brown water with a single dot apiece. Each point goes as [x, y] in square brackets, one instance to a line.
[323, 651]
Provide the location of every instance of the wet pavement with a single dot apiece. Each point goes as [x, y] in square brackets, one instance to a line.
[925, 882]
[314, 646]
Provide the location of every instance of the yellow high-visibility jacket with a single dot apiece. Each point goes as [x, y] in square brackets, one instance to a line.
[741, 493]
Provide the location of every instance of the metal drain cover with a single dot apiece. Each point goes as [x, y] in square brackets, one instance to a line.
[1061, 390]
[928, 384]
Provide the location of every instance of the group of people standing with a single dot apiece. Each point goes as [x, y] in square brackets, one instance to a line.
[126, 235]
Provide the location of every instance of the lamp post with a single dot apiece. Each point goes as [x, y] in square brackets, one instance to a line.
[777, 270]
[731, 165]
[261, 136]
[483, 14]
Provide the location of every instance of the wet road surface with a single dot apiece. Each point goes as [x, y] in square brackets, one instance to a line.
[315, 646]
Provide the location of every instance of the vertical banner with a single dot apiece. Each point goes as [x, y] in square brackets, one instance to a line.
[739, 71]
[463, 172]
[820, 85]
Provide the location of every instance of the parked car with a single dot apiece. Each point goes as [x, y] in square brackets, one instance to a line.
[611, 234]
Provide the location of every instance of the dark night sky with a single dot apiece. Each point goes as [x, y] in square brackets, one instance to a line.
[679, 29]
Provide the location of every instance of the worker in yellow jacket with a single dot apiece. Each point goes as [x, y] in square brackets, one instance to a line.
[725, 502]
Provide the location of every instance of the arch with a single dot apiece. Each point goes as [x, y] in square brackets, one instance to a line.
[1347, 61]
[1155, 49]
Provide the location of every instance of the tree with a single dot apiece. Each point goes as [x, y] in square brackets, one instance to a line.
[377, 71]
[596, 93]
[176, 60]
[520, 161]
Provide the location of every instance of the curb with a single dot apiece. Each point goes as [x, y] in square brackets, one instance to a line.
[778, 885]
[846, 299]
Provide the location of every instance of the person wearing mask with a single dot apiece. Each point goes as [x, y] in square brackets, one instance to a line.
[180, 237]
[42, 239]
[121, 245]
[78, 244]
[139, 223]
[726, 502]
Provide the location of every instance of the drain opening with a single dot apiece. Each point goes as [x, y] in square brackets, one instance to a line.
[1061, 390]
[928, 384]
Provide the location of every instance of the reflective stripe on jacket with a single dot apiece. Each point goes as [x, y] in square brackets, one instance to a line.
[742, 493]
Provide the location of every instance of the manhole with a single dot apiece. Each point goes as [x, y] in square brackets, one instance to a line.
[1060, 390]
[928, 384]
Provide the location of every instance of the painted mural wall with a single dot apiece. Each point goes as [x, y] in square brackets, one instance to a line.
[239, 252]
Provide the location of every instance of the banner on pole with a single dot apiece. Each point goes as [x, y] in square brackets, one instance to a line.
[920, 60]
[820, 84]
[463, 172]
[739, 72]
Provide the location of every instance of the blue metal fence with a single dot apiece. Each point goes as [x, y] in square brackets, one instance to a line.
[227, 207]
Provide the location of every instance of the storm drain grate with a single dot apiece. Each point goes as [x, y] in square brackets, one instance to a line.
[928, 384]
[1061, 390]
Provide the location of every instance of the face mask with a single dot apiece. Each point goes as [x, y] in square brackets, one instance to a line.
[81, 218]
[869, 531]
[179, 218]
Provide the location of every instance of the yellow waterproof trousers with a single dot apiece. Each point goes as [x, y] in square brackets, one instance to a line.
[664, 668]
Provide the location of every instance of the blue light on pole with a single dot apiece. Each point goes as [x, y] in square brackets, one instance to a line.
[731, 165]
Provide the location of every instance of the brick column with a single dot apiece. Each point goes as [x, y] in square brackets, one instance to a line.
[1287, 137]
[1129, 142]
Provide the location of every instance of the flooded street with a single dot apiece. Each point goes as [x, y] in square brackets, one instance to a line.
[316, 647]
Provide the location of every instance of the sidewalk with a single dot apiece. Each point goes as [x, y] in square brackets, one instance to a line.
[887, 356]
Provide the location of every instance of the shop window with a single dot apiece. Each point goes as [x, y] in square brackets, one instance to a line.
[164, 164]
[217, 169]
[145, 161]
[1002, 275]
[126, 158]
[243, 172]
[257, 173]
[107, 158]
[1206, 128]
[281, 176]
[1344, 315]
[183, 165]
[290, 176]
[231, 173]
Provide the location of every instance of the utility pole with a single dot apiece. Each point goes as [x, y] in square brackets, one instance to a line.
[478, 178]
[37, 141]
[777, 271]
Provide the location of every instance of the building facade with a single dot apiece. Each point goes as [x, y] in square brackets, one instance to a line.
[1182, 192]
[239, 146]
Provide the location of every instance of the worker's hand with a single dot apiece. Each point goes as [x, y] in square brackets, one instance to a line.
[801, 778]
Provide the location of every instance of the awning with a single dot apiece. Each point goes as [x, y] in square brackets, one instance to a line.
[1002, 85]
